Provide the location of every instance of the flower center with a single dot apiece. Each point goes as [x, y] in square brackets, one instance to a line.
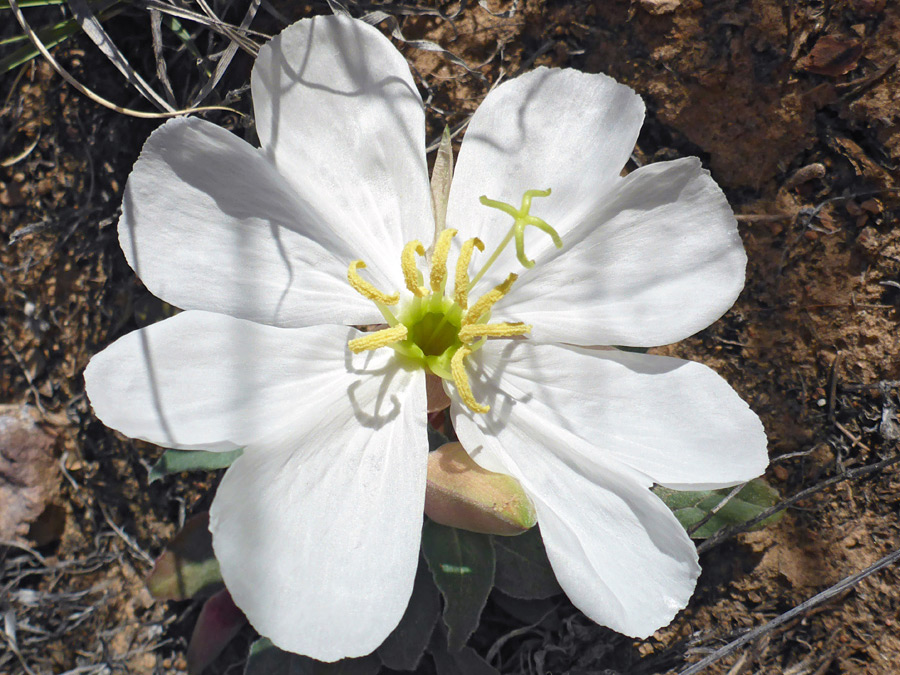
[437, 329]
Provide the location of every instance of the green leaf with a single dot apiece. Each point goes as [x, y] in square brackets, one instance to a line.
[465, 661]
[182, 34]
[690, 507]
[187, 567]
[404, 647]
[176, 461]
[523, 570]
[266, 659]
[462, 564]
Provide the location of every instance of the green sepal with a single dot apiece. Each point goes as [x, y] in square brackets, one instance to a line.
[441, 178]
[460, 493]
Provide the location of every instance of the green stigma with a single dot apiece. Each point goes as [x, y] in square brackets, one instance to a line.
[522, 218]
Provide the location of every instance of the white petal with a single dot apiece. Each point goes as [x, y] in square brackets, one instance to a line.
[560, 129]
[617, 551]
[209, 223]
[338, 112]
[659, 260]
[677, 422]
[317, 533]
[208, 381]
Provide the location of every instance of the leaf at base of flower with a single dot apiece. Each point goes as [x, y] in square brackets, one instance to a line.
[219, 622]
[691, 507]
[403, 648]
[187, 567]
[462, 564]
[465, 661]
[176, 461]
[523, 570]
[266, 659]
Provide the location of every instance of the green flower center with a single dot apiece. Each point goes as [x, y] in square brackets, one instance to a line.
[437, 329]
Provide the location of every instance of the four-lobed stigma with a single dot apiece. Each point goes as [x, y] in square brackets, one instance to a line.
[437, 329]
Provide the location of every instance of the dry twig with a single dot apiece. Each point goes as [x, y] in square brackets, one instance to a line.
[824, 596]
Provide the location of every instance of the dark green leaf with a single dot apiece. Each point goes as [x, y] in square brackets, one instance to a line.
[50, 35]
[266, 659]
[465, 661]
[462, 564]
[403, 648]
[435, 438]
[690, 507]
[175, 461]
[523, 570]
[187, 567]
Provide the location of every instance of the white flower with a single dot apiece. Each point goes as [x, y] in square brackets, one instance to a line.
[317, 525]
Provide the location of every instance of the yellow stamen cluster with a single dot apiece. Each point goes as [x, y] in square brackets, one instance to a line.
[432, 313]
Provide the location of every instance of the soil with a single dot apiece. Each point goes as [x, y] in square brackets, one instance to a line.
[795, 109]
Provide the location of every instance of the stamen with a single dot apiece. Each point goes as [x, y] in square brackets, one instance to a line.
[411, 274]
[488, 300]
[439, 259]
[380, 338]
[461, 285]
[471, 332]
[367, 290]
[461, 379]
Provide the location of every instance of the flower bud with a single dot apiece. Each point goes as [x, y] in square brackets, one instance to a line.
[462, 494]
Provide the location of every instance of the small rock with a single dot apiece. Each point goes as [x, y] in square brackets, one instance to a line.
[29, 475]
[805, 174]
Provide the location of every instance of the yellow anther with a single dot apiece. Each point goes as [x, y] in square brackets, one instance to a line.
[367, 290]
[411, 274]
[380, 338]
[439, 259]
[461, 379]
[461, 285]
[486, 301]
[472, 332]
